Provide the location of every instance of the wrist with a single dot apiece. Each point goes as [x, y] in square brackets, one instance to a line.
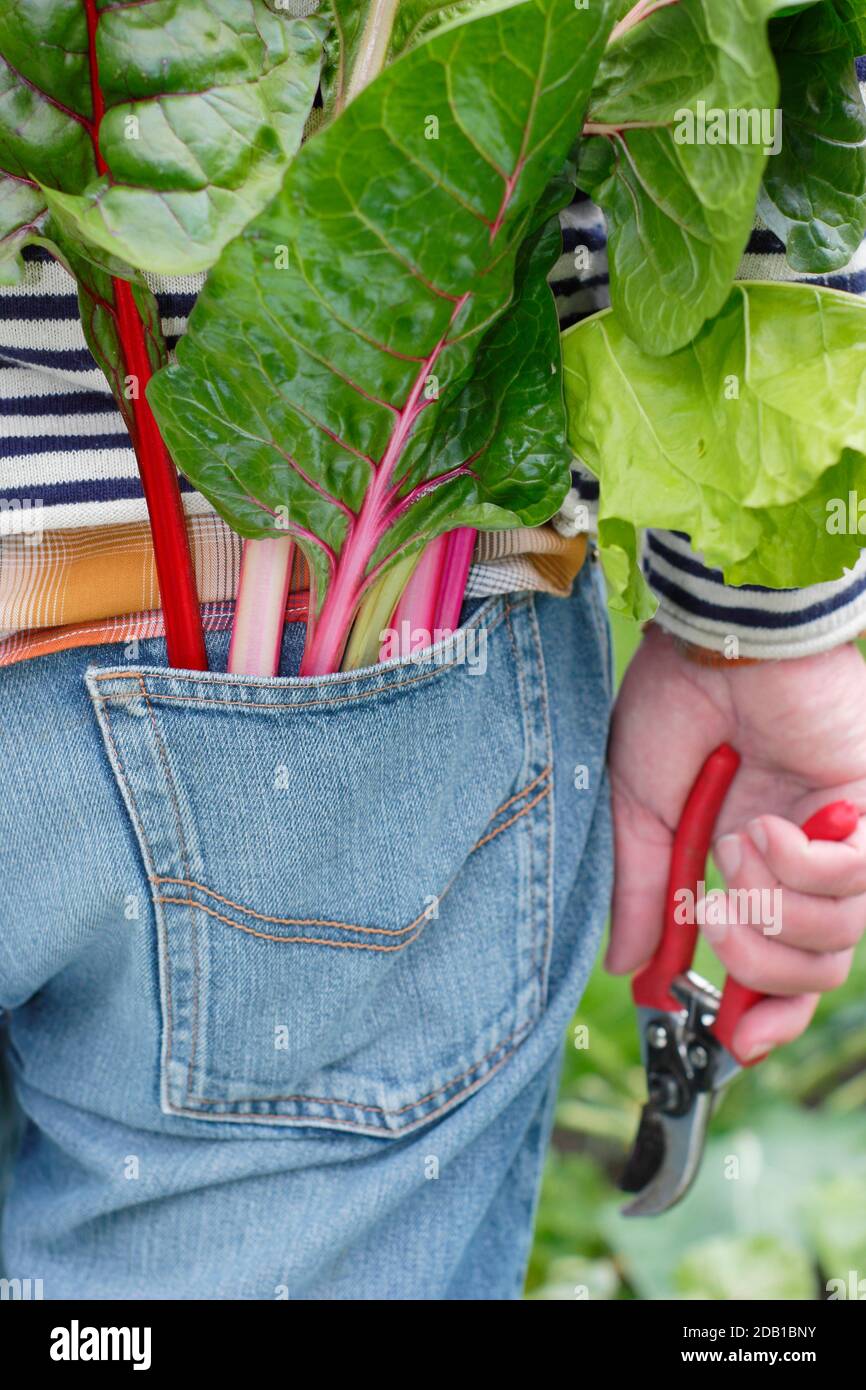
[708, 656]
[749, 621]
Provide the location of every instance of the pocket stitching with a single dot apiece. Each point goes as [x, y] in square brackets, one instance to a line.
[513, 1037]
[326, 922]
[545, 706]
[517, 795]
[525, 706]
[305, 940]
[375, 1109]
[185, 859]
[291, 707]
[511, 819]
[144, 841]
[343, 926]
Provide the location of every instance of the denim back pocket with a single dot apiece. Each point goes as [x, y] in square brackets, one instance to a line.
[351, 876]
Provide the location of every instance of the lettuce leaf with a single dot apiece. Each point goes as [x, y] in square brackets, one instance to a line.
[741, 439]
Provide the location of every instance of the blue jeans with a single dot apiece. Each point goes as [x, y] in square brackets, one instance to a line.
[289, 963]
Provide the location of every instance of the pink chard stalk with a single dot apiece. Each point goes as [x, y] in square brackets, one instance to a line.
[381, 510]
[452, 589]
[266, 566]
[411, 626]
[263, 588]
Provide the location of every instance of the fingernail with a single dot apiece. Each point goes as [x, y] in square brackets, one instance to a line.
[758, 835]
[728, 854]
[758, 1050]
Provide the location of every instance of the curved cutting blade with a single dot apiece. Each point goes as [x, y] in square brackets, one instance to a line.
[666, 1156]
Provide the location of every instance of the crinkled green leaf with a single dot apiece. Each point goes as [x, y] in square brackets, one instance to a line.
[738, 438]
[853, 16]
[508, 419]
[679, 214]
[196, 106]
[814, 191]
[619, 551]
[813, 538]
[376, 354]
[22, 215]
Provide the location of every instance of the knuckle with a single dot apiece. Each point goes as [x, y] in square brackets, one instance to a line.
[846, 932]
[836, 968]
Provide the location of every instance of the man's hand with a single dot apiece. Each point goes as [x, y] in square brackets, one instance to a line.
[800, 729]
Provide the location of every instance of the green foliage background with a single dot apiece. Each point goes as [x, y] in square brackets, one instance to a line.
[793, 1219]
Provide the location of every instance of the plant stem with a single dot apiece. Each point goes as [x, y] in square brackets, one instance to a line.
[373, 48]
[642, 10]
[326, 641]
[177, 590]
[415, 614]
[452, 589]
[375, 613]
[372, 52]
[263, 588]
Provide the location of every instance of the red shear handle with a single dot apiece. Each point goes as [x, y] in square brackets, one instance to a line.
[651, 987]
[836, 821]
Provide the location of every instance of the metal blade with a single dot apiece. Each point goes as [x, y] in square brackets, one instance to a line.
[671, 1158]
[647, 1153]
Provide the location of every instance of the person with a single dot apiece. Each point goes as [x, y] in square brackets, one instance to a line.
[287, 965]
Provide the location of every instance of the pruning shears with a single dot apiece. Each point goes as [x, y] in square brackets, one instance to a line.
[686, 1024]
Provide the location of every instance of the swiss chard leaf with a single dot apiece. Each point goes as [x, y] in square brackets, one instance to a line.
[143, 136]
[149, 133]
[735, 439]
[853, 15]
[814, 191]
[356, 365]
[678, 192]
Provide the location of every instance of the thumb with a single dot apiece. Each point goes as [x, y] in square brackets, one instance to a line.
[642, 846]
